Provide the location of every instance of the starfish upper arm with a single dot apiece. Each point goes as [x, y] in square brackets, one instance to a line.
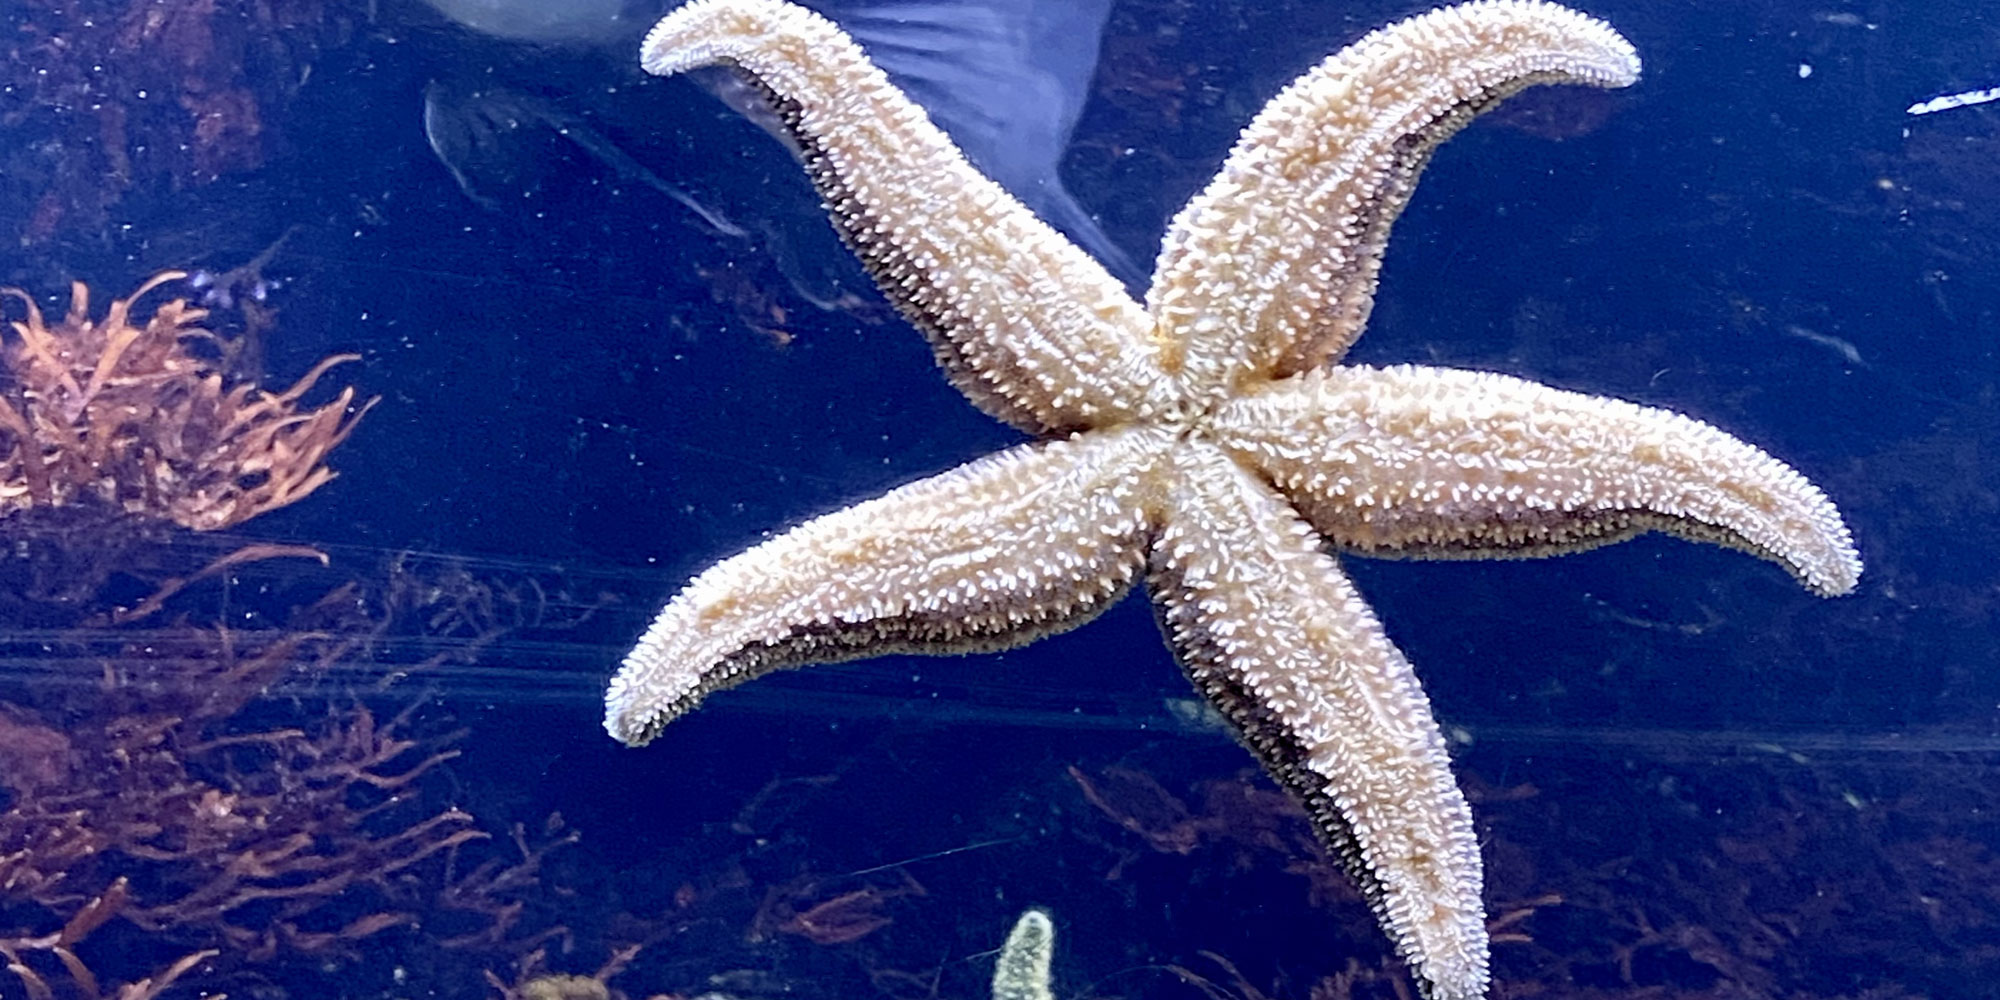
[1271, 269]
[1029, 541]
[1024, 322]
[1439, 462]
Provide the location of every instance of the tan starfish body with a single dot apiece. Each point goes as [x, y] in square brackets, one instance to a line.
[1208, 439]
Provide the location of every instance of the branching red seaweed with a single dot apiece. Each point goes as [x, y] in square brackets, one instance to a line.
[137, 419]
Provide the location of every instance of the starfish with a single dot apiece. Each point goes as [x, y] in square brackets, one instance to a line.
[1209, 438]
[1022, 970]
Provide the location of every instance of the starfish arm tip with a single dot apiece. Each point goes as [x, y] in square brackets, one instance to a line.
[994, 553]
[1440, 463]
[1012, 308]
[1271, 270]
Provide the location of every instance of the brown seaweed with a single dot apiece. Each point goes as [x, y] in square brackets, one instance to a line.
[172, 811]
[137, 419]
[107, 98]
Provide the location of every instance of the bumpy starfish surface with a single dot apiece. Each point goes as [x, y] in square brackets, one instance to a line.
[1208, 438]
[1022, 970]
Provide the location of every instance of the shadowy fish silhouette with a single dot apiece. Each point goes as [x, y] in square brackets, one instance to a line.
[486, 137]
[548, 21]
[1007, 79]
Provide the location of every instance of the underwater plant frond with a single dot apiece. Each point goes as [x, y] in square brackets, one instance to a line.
[131, 416]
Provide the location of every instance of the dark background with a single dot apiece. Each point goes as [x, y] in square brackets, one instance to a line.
[586, 381]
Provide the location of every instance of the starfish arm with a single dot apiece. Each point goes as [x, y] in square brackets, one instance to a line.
[1434, 462]
[1271, 269]
[1272, 632]
[1022, 970]
[1026, 324]
[995, 553]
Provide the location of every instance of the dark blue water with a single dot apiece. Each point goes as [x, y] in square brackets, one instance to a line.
[1703, 781]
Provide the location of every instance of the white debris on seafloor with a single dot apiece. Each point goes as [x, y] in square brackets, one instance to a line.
[1958, 100]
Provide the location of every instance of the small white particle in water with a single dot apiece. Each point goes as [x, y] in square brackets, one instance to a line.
[1805, 70]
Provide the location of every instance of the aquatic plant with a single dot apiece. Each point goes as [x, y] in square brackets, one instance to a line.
[177, 807]
[191, 795]
[1764, 873]
[149, 801]
[108, 98]
[138, 419]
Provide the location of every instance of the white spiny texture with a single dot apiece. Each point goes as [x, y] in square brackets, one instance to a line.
[1209, 438]
[1445, 463]
[1271, 269]
[1027, 325]
[993, 553]
[1269, 628]
[1022, 970]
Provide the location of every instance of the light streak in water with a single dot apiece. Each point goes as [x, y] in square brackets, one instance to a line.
[1959, 100]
